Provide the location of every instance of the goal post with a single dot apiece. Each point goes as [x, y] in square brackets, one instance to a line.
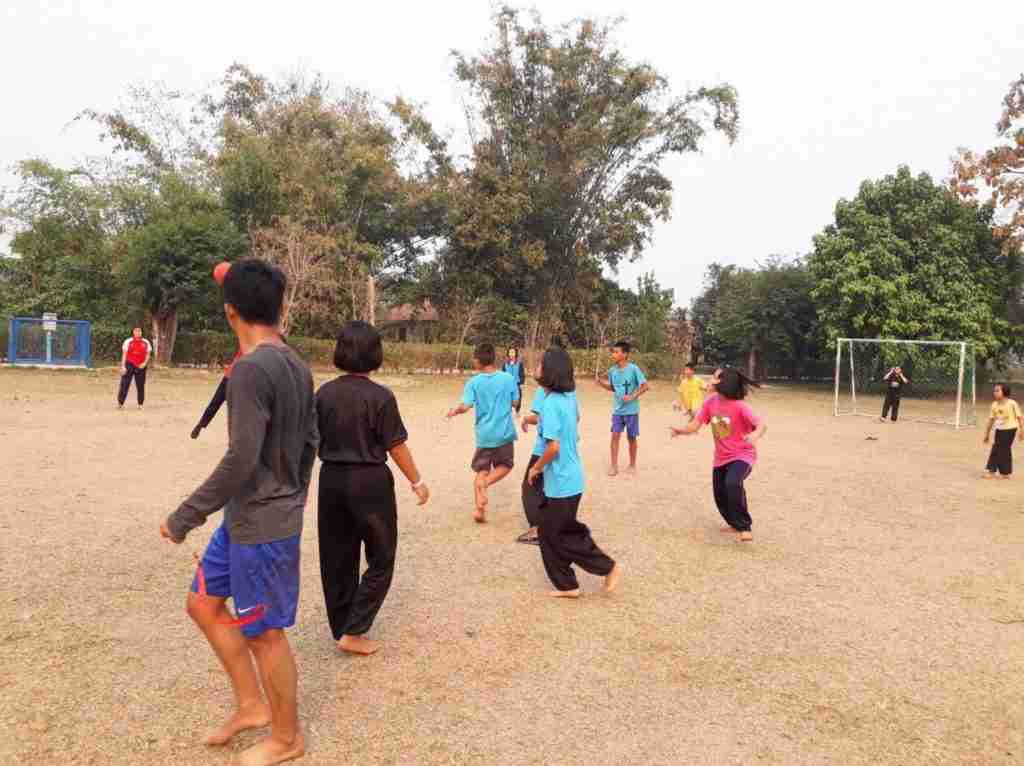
[49, 342]
[941, 375]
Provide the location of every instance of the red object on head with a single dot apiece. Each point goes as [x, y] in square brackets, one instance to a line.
[220, 271]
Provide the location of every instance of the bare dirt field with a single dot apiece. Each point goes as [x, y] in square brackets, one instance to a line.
[878, 618]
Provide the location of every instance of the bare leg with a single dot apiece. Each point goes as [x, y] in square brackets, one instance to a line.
[614, 470]
[480, 494]
[633, 445]
[497, 474]
[228, 643]
[280, 678]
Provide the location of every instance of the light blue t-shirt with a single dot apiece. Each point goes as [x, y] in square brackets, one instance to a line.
[536, 406]
[563, 476]
[491, 395]
[625, 381]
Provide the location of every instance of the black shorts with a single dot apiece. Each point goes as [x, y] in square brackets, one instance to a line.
[486, 458]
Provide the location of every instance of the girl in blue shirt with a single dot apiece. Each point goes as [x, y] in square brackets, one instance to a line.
[564, 540]
[514, 367]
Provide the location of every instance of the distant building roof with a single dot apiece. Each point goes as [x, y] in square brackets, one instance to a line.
[409, 312]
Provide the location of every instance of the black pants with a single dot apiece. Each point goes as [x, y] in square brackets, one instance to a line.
[139, 375]
[564, 541]
[219, 397]
[1001, 457]
[356, 508]
[892, 401]
[730, 495]
[533, 495]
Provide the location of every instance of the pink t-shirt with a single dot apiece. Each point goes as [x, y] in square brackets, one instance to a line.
[730, 421]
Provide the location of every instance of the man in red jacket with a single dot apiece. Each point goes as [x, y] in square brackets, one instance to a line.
[135, 354]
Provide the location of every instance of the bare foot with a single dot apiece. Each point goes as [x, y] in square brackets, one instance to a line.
[989, 475]
[881, 420]
[1007, 477]
[611, 582]
[575, 593]
[249, 717]
[725, 529]
[631, 470]
[746, 537]
[480, 515]
[358, 645]
[269, 751]
[613, 471]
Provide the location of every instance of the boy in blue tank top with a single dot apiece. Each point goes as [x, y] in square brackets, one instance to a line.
[493, 395]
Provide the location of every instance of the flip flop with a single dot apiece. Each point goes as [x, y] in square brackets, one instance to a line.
[527, 539]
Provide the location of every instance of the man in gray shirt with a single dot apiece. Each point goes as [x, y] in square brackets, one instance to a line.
[261, 483]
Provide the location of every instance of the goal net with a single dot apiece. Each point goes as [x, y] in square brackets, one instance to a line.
[940, 375]
[49, 341]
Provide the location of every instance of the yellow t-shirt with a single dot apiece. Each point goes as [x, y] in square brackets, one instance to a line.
[1006, 414]
[691, 392]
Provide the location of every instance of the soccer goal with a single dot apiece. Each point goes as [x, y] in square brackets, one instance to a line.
[940, 375]
[49, 341]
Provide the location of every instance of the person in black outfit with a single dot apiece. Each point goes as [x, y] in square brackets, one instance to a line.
[895, 380]
[514, 366]
[359, 427]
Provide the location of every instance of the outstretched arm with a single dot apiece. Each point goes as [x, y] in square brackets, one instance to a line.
[691, 428]
[459, 410]
[602, 383]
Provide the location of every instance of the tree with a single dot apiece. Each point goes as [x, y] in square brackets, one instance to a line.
[318, 184]
[906, 259]
[1000, 169]
[649, 314]
[767, 312]
[169, 258]
[568, 138]
[61, 221]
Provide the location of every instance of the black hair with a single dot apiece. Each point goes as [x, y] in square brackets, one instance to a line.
[556, 372]
[484, 354]
[733, 384]
[359, 348]
[624, 345]
[256, 289]
[1005, 388]
[513, 348]
[689, 366]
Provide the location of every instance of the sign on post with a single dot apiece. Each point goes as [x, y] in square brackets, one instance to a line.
[49, 322]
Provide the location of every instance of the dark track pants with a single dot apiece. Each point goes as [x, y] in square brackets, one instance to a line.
[892, 401]
[1001, 457]
[138, 374]
[564, 541]
[730, 495]
[356, 508]
[533, 496]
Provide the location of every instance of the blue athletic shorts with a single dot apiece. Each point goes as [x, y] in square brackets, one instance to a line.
[265, 574]
[628, 423]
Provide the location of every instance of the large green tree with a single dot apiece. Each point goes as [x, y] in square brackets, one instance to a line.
[568, 139]
[766, 313]
[168, 259]
[906, 259]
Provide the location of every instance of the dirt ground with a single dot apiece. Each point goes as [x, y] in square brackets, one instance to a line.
[878, 617]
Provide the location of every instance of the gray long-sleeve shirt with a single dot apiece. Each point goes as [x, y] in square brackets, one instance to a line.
[263, 479]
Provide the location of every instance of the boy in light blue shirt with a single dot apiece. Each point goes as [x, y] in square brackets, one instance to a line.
[494, 395]
[628, 383]
[564, 540]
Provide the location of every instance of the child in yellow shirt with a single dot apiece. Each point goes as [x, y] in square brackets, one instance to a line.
[691, 392]
[1009, 423]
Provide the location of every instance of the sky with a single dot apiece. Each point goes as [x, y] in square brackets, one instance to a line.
[830, 93]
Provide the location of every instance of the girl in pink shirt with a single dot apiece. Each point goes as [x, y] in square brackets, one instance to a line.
[736, 429]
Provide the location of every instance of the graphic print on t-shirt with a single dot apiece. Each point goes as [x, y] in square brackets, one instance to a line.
[721, 427]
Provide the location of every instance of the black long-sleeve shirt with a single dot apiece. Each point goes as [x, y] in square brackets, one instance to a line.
[263, 479]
